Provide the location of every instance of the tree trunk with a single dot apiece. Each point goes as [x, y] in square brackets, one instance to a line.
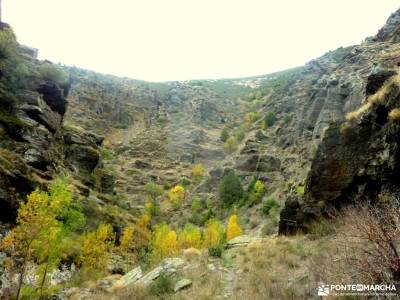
[21, 277]
[44, 278]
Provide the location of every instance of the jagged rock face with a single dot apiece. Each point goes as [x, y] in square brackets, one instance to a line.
[391, 31]
[31, 140]
[358, 163]
[34, 145]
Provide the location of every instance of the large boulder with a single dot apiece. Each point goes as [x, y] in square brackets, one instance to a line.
[83, 158]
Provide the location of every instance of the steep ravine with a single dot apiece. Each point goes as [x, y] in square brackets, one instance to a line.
[111, 136]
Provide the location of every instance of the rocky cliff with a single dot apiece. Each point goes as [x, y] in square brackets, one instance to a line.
[35, 145]
[357, 159]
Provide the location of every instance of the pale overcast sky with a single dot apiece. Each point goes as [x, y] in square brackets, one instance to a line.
[190, 39]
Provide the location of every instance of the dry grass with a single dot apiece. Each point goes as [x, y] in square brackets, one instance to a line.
[394, 115]
[134, 292]
[292, 267]
[206, 284]
[355, 115]
[277, 269]
[380, 97]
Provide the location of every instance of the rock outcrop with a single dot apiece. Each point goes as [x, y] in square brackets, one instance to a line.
[34, 145]
[358, 160]
[391, 31]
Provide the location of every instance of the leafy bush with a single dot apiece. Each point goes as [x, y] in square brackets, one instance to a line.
[240, 134]
[287, 119]
[252, 117]
[8, 43]
[153, 190]
[96, 250]
[215, 251]
[162, 285]
[233, 229]
[198, 172]
[164, 242]
[224, 135]
[189, 237]
[231, 144]
[255, 192]
[269, 119]
[230, 189]
[106, 154]
[300, 190]
[176, 196]
[196, 205]
[53, 73]
[213, 234]
[268, 205]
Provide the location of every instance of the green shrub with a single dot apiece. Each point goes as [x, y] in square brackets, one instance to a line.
[106, 154]
[252, 117]
[321, 228]
[53, 73]
[230, 189]
[162, 285]
[8, 43]
[224, 135]
[199, 204]
[240, 134]
[215, 251]
[258, 95]
[153, 190]
[287, 119]
[183, 181]
[268, 205]
[231, 144]
[255, 192]
[300, 190]
[269, 119]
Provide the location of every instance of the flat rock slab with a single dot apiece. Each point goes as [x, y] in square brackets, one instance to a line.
[168, 266]
[242, 241]
[129, 278]
[182, 284]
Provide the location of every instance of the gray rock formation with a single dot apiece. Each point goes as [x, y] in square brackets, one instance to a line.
[355, 162]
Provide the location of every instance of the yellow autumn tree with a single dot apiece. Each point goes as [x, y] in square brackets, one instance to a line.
[142, 233]
[189, 237]
[259, 187]
[231, 144]
[176, 196]
[164, 242]
[42, 233]
[127, 244]
[198, 172]
[213, 234]
[233, 229]
[96, 250]
[32, 219]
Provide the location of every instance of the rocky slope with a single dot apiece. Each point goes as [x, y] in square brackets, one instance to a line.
[357, 159]
[35, 144]
[113, 135]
